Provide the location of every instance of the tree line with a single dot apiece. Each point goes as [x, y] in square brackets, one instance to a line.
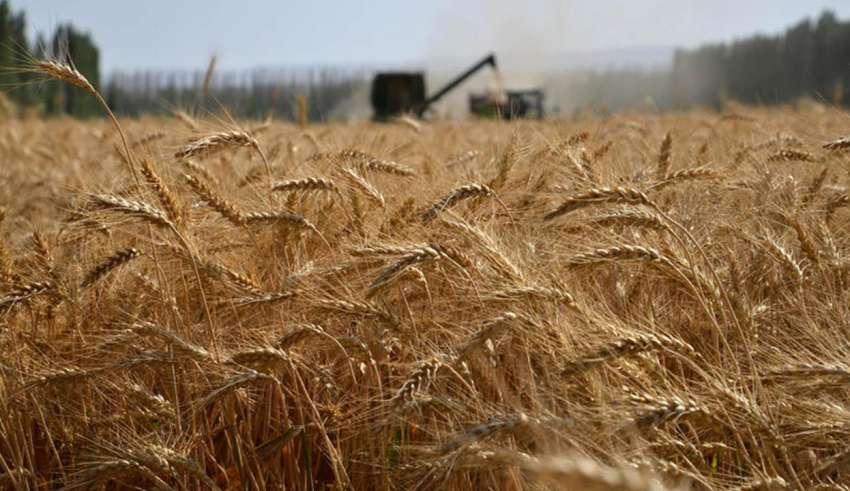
[145, 92]
[49, 97]
[811, 58]
[249, 94]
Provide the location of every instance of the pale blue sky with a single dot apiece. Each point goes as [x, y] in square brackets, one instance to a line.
[183, 33]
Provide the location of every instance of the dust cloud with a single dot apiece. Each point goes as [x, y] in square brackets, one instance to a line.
[526, 44]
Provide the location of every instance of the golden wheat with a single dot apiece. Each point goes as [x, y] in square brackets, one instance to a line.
[681, 323]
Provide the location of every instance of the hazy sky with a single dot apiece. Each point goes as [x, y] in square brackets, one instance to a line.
[183, 33]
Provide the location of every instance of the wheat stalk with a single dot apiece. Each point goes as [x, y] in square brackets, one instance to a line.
[469, 191]
[618, 253]
[364, 187]
[284, 217]
[65, 71]
[462, 158]
[492, 329]
[133, 208]
[216, 142]
[24, 292]
[365, 161]
[497, 423]
[655, 411]
[792, 155]
[418, 380]
[684, 175]
[167, 198]
[627, 346]
[217, 202]
[597, 196]
[838, 144]
[306, 184]
[663, 168]
[397, 269]
[175, 341]
[111, 263]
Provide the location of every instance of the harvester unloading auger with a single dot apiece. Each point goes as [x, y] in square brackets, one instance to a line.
[398, 93]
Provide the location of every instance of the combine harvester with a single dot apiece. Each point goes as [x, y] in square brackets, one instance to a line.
[401, 93]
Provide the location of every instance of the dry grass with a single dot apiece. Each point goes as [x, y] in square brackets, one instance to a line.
[637, 302]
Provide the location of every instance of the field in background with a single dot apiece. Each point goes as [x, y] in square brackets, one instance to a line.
[637, 302]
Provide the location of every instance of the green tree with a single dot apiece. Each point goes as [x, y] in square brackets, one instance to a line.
[809, 59]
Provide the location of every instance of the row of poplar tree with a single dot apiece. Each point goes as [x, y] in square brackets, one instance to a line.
[323, 90]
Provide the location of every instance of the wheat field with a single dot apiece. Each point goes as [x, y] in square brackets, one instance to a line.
[636, 302]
